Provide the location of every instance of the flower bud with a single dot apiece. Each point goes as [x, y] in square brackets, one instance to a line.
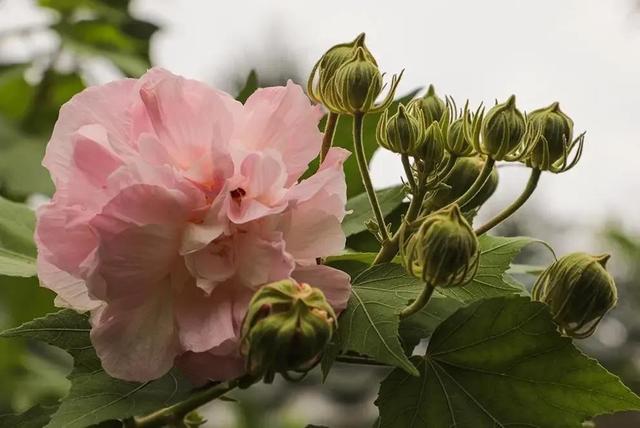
[358, 84]
[320, 89]
[401, 133]
[431, 105]
[444, 252]
[550, 138]
[503, 130]
[462, 176]
[579, 292]
[430, 152]
[457, 143]
[286, 328]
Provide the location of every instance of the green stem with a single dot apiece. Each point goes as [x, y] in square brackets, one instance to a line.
[173, 415]
[364, 173]
[406, 164]
[329, 132]
[477, 185]
[419, 303]
[504, 214]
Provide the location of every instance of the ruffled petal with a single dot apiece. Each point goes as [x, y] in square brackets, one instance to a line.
[334, 283]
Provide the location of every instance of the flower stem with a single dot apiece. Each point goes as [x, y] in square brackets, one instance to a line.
[406, 163]
[173, 415]
[329, 132]
[477, 184]
[364, 173]
[419, 303]
[504, 214]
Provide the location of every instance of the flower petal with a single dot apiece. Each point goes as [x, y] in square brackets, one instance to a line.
[334, 283]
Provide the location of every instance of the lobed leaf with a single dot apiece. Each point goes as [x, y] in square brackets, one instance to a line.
[17, 249]
[360, 208]
[501, 363]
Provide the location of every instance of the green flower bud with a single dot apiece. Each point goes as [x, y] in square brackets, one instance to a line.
[320, 89]
[358, 84]
[401, 133]
[462, 176]
[550, 139]
[458, 144]
[579, 292]
[431, 105]
[444, 252]
[286, 328]
[430, 152]
[503, 130]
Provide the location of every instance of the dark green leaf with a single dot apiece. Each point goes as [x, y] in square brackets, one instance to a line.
[501, 363]
[36, 417]
[389, 199]
[95, 396]
[370, 323]
[250, 86]
[496, 255]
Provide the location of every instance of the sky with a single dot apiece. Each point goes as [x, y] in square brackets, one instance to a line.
[583, 53]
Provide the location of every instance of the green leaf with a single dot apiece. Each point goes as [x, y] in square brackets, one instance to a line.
[36, 417]
[17, 249]
[95, 396]
[501, 363]
[250, 86]
[370, 323]
[496, 254]
[389, 199]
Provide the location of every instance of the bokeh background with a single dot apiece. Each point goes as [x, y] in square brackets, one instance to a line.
[583, 53]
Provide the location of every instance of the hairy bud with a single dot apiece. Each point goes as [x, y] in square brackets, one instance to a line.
[321, 83]
[401, 133]
[579, 292]
[503, 129]
[444, 252]
[430, 152]
[431, 106]
[457, 143]
[462, 176]
[550, 138]
[286, 328]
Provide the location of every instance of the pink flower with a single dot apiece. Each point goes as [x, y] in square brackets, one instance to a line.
[174, 203]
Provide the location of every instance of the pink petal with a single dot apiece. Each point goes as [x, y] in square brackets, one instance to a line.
[260, 261]
[106, 105]
[137, 342]
[71, 291]
[203, 367]
[335, 284]
[207, 321]
[283, 119]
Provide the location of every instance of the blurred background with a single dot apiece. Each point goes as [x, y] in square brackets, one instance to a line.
[583, 53]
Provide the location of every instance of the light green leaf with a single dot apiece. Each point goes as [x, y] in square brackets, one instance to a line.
[389, 199]
[501, 363]
[17, 249]
[95, 396]
[370, 323]
[496, 254]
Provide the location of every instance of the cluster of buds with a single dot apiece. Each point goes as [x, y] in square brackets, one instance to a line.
[347, 80]
[579, 292]
[286, 328]
[444, 252]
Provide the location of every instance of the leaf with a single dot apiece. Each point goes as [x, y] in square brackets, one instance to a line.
[422, 324]
[370, 323]
[496, 254]
[389, 199]
[36, 417]
[95, 396]
[250, 86]
[501, 363]
[17, 249]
